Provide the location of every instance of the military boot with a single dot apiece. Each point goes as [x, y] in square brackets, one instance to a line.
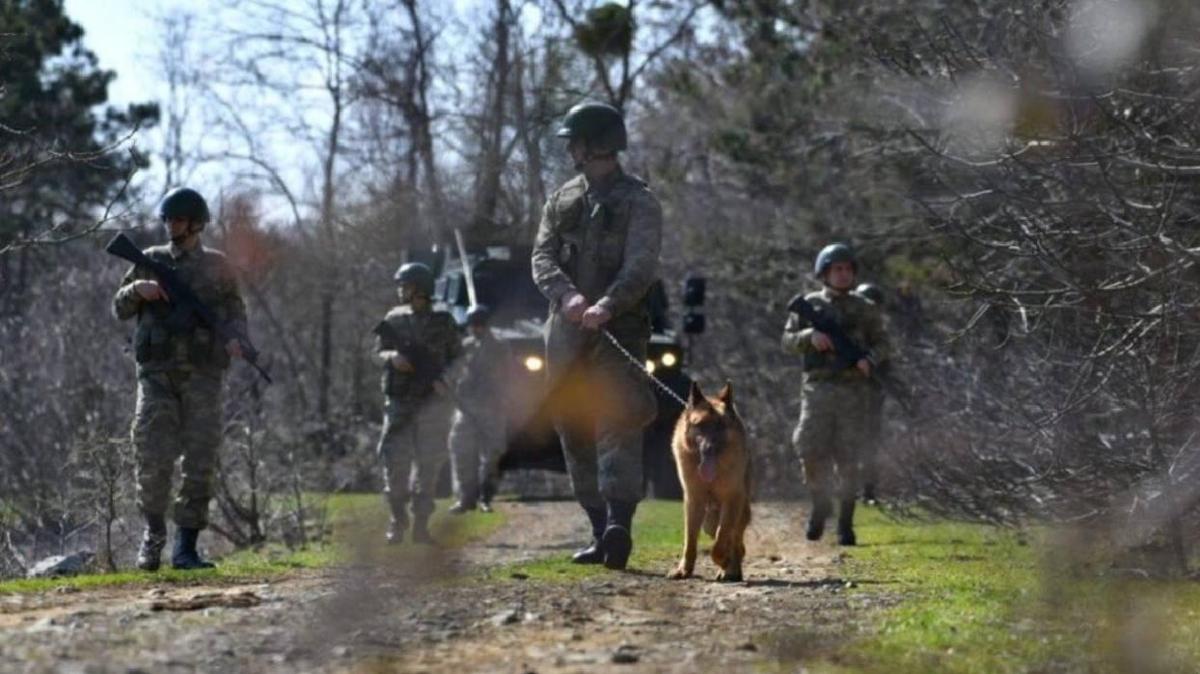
[869, 494]
[618, 535]
[153, 541]
[821, 508]
[467, 502]
[184, 556]
[421, 530]
[594, 553]
[395, 530]
[846, 523]
[485, 496]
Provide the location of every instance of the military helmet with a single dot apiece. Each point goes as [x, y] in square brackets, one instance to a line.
[417, 274]
[600, 124]
[478, 315]
[834, 252]
[870, 291]
[183, 202]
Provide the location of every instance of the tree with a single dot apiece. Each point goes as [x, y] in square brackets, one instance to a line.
[59, 164]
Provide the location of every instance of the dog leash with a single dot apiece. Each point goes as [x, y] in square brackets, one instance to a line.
[641, 367]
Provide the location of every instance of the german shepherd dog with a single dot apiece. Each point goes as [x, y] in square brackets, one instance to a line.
[714, 466]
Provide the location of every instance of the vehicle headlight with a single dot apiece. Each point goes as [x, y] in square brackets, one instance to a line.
[534, 363]
[669, 359]
[650, 366]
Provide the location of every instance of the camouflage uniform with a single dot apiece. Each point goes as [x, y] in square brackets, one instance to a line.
[180, 367]
[837, 411]
[478, 435]
[412, 446]
[603, 242]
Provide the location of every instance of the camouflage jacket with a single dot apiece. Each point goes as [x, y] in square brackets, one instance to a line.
[166, 339]
[483, 374]
[430, 341]
[600, 241]
[860, 318]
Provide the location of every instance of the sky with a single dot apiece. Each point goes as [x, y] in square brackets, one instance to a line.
[124, 35]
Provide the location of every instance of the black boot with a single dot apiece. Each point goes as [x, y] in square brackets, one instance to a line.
[846, 523]
[821, 508]
[869, 493]
[594, 553]
[184, 556]
[618, 535]
[153, 541]
[467, 502]
[485, 496]
[421, 530]
[395, 530]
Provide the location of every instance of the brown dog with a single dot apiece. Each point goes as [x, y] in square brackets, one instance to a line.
[713, 459]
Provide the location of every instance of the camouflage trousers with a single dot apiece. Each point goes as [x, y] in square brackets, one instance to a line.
[178, 414]
[412, 449]
[833, 431]
[475, 451]
[601, 406]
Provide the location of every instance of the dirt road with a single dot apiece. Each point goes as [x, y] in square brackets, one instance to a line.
[460, 612]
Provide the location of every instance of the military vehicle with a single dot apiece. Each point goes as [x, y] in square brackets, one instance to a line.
[503, 282]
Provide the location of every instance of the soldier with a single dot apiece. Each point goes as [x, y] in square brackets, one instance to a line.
[868, 464]
[414, 344]
[180, 371]
[836, 402]
[478, 433]
[594, 258]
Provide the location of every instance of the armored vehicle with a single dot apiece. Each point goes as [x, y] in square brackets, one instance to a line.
[503, 282]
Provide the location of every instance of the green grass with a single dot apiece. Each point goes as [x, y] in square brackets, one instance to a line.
[979, 599]
[358, 522]
[657, 527]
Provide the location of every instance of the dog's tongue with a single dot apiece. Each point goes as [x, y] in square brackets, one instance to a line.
[708, 469]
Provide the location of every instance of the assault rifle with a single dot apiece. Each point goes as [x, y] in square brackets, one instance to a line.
[425, 373]
[846, 351]
[184, 300]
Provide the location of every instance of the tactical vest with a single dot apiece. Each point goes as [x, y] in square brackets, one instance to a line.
[592, 231]
[850, 313]
[168, 337]
[422, 339]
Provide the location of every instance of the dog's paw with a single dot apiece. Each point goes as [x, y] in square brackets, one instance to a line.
[729, 576]
[679, 573]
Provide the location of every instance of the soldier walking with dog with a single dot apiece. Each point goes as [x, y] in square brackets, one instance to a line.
[840, 357]
[594, 258]
[414, 344]
[181, 362]
[478, 434]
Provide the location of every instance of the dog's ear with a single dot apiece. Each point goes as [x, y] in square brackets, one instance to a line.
[726, 394]
[696, 396]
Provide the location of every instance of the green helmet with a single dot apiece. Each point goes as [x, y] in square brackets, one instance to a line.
[184, 202]
[417, 274]
[871, 292]
[478, 315]
[601, 125]
[834, 252]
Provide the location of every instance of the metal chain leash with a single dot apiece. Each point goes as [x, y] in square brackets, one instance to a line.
[641, 367]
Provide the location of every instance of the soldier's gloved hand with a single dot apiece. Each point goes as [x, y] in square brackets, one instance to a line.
[574, 307]
[595, 317]
[399, 362]
[864, 366]
[234, 348]
[821, 341]
[150, 291]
